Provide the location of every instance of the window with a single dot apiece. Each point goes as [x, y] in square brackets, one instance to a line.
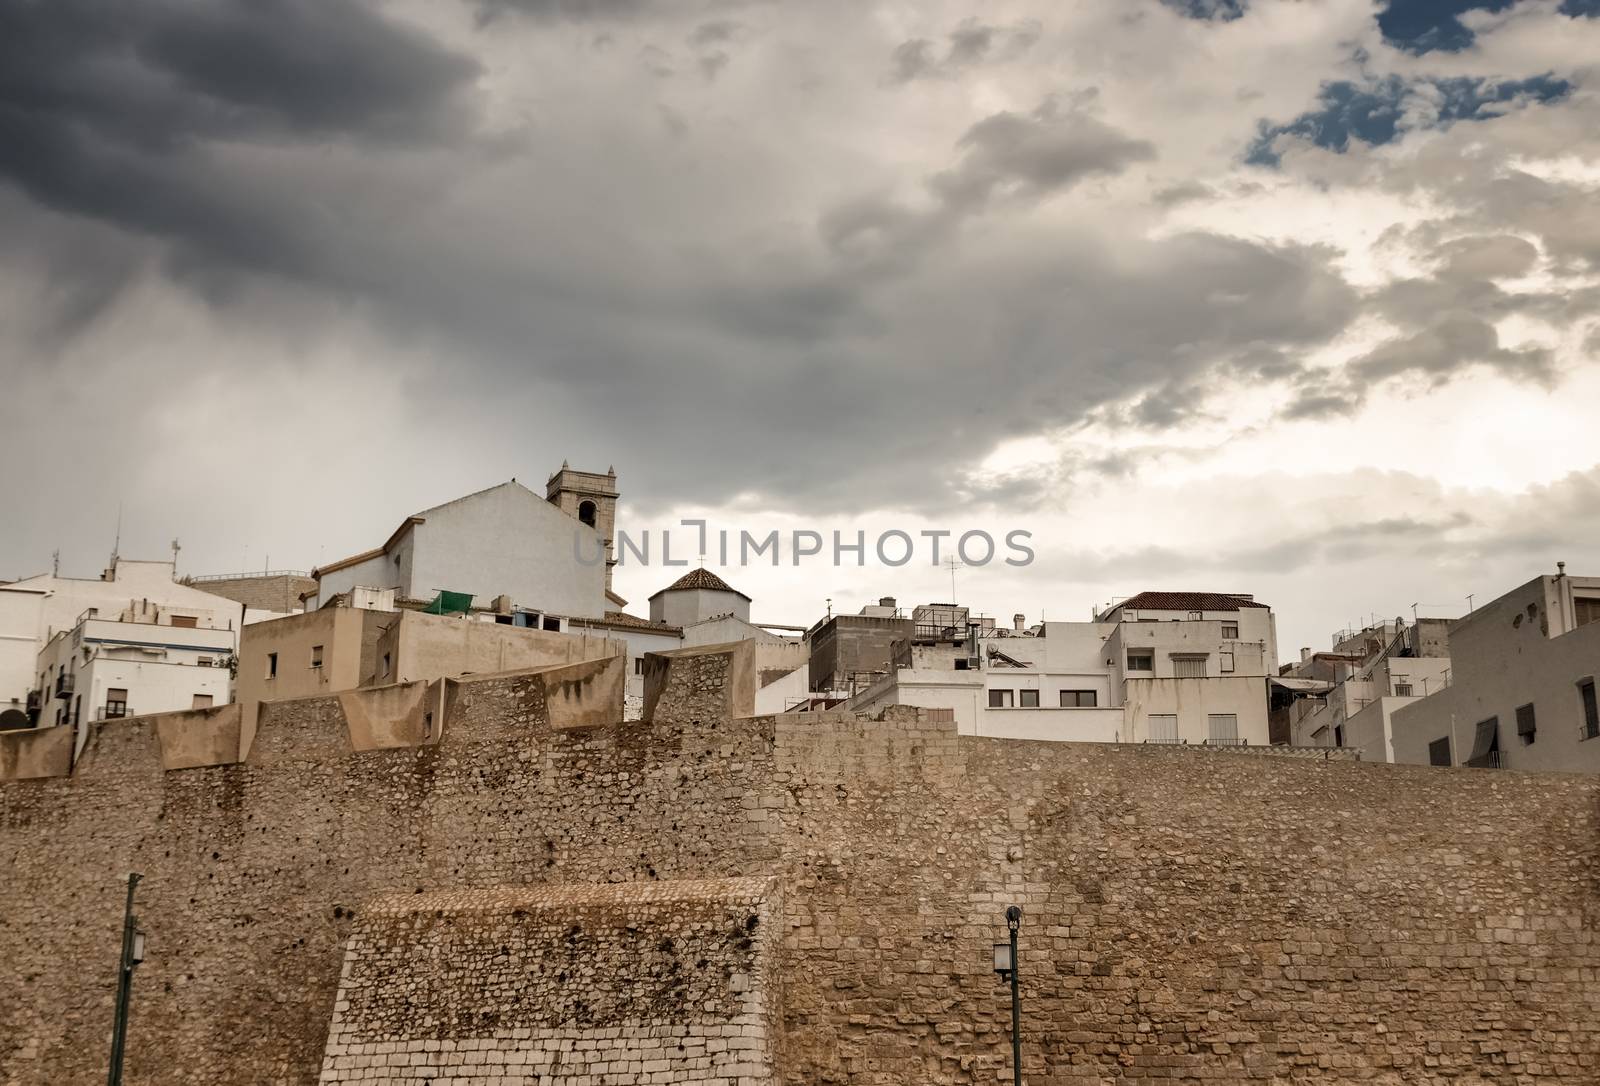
[1141, 660]
[116, 703]
[316, 655]
[1591, 712]
[552, 623]
[1163, 727]
[1338, 735]
[963, 664]
[1197, 615]
[204, 661]
[1230, 631]
[201, 701]
[999, 699]
[386, 663]
[1078, 699]
[184, 622]
[272, 665]
[1029, 699]
[1225, 662]
[1402, 690]
[1222, 729]
[586, 513]
[1439, 751]
[1586, 609]
[1526, 726]
[1189, 667]
[638, 665]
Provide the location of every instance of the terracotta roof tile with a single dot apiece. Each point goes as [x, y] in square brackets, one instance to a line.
[1184, 601]
[701, 578]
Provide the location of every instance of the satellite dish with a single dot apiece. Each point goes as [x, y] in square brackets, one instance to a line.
[13, 720]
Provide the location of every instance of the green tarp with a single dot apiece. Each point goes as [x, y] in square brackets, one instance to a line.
[449, 603]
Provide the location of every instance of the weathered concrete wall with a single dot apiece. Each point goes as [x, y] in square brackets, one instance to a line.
[1190, 916]
[200, 736]
[566, 985]
[423, 646]
[36, 752]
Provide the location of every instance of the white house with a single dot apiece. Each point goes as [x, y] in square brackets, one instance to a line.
[133, 595]
[1160, 667]
[547, 555]
[133, 664]
[1522, 687]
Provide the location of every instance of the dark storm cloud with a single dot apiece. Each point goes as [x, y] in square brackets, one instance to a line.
[117, 113]
[159, 75]
[576, 10]
[834, 349]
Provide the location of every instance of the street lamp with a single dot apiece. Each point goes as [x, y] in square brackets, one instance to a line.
[132, 955]
[1005, 964]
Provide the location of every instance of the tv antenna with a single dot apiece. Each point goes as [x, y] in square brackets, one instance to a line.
[952, 565]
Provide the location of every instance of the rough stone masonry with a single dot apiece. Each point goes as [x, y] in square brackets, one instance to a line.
[527, 895]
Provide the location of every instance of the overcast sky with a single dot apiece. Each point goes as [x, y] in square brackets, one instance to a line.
[1291, 297]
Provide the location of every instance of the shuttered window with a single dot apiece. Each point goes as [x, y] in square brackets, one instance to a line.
[1163, 727]
[1222, 728]
[1587, 610]
[1526, 723]
[1189, 667]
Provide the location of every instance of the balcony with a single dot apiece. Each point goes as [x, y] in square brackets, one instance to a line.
[114, 710]
[1491, 760]
[1227, 743]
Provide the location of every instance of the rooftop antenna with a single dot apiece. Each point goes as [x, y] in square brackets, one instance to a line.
[55, 562]
[176, 547]
[116, 543]
[830, 606]
[1469, 601]
[954, 565]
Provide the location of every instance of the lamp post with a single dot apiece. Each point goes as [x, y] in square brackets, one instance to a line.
[1005, 963]
[132, 955]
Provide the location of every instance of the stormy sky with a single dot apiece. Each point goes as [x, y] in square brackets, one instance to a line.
[1292, 297]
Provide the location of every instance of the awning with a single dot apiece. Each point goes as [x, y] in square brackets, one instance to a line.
[1485, 743]
[1302, 686]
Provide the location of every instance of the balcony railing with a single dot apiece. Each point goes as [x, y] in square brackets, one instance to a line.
[114, 710]
[1491, 760]
[1227, 742]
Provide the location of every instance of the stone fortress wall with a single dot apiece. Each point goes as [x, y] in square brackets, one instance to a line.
[354, 895]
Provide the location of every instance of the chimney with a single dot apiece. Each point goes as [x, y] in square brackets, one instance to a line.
[1018, 622]
[1305, 654]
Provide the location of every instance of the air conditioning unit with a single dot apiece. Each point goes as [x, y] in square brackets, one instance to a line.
[974, 663]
